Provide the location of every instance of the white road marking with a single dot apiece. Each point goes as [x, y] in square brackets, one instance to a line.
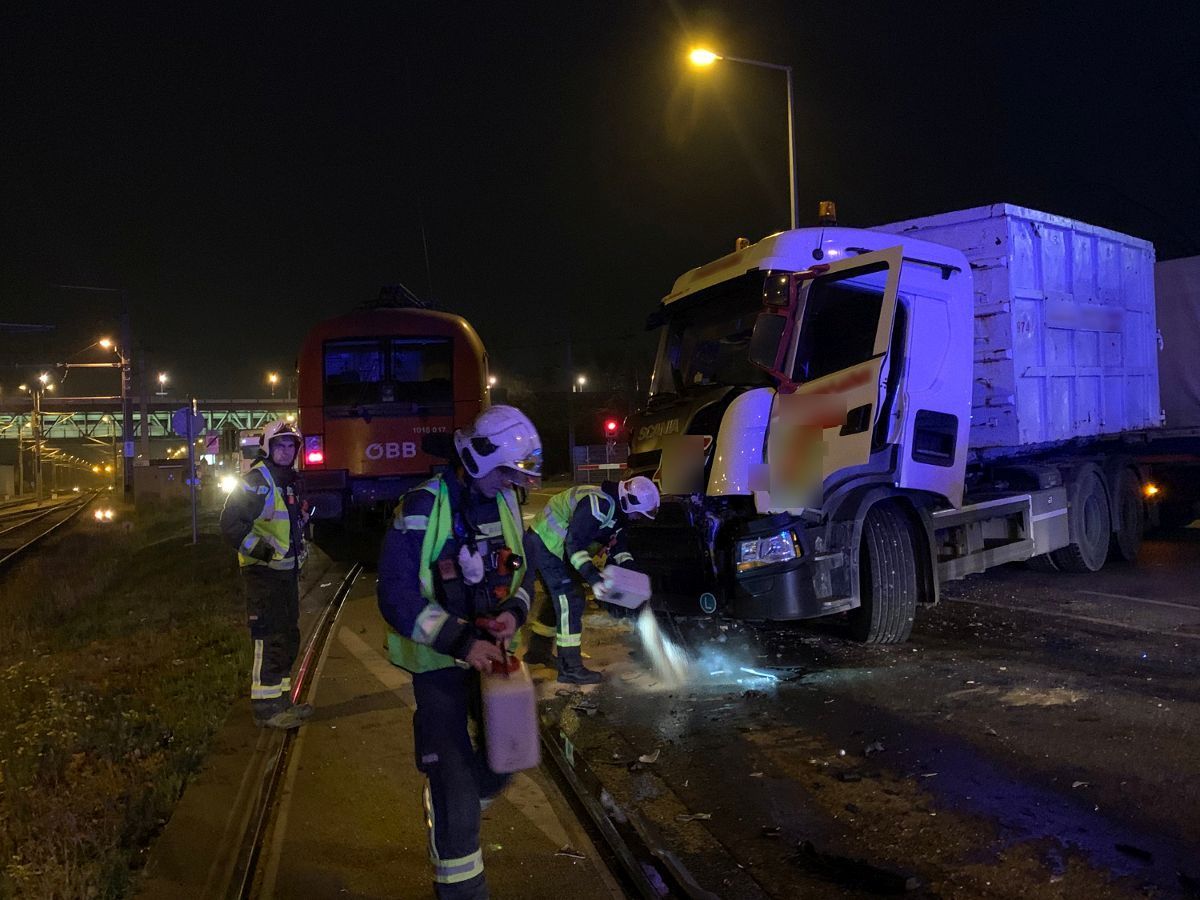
[1195, 609]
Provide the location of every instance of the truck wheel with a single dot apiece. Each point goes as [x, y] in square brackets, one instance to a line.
[1127, 539]
[1090, 525]
[887, 578]
[1043, 562]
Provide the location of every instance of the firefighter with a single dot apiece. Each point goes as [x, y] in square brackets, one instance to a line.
[450, 588]
[264, 519]
[560, 539]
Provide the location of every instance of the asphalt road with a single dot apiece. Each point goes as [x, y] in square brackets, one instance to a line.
[1035, 738]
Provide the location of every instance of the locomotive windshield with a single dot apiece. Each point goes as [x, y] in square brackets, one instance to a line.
[403, 370]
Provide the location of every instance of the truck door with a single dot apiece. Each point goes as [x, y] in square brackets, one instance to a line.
[829, 369]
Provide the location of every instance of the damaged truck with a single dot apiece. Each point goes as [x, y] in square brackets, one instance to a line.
[843, 419]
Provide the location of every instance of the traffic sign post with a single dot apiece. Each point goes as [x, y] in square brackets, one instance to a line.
[190, 425]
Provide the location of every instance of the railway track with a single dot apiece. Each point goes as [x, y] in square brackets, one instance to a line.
[628, 849]
[22, 530]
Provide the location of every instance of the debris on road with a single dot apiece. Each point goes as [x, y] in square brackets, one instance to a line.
[693, 817]
[570, 852]
[854, 872]
[872, 748]
[650, 758]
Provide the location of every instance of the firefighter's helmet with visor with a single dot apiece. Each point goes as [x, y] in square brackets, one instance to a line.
[279, 430]
[638, 496]
[501, 436]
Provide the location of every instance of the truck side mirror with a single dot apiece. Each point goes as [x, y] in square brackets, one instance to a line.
[766, 342]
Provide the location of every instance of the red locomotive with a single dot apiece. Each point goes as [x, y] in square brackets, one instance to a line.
[374, 386]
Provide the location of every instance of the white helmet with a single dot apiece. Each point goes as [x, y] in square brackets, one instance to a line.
[638, 495]
[500, 436]
[281, 428]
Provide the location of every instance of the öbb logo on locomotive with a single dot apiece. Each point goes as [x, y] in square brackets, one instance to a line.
[392, 450]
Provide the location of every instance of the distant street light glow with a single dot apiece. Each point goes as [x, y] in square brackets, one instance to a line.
[702, 57]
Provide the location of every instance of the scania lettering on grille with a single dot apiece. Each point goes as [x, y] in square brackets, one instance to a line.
[392, 450]
[658, 429]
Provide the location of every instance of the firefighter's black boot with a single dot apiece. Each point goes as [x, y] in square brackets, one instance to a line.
[571, 669]
[540, 650]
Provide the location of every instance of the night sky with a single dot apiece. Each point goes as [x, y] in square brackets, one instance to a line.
[245, 171]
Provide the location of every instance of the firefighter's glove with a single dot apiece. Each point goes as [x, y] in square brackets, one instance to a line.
[481, 655]
[471, 564]
[602, 588]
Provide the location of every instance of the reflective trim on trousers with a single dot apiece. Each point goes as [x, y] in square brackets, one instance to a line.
[544, 630]
[579, 557]
[258, 690]
[448, 871]
[565, 638]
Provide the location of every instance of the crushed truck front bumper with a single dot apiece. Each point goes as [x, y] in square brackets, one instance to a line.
[807, 587]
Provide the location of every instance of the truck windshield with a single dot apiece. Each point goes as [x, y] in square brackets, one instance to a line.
[707, 338]
[408, 370]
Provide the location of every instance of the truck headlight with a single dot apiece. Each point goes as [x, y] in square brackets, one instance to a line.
[764, 551]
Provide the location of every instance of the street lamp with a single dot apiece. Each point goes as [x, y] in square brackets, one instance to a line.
[580, 382]
[273, 380]
[702, 58]
[35, 390]
[162, 384]
[493, 381]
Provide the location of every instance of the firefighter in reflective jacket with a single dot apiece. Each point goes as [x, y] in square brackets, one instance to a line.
[450, 587]
[264, 518]
[560, 539]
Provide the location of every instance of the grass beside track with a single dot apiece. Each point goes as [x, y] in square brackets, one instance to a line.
[121, 650]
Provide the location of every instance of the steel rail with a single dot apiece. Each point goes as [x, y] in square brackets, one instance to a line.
[244, 880]
[8, 558]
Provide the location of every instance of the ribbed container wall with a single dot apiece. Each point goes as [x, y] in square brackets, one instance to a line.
[1065, 336]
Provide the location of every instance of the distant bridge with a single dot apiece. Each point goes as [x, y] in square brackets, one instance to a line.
[98, 419]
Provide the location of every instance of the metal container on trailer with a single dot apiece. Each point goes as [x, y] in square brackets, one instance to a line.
[1065, 334]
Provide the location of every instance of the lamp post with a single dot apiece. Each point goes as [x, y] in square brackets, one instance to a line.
[36, 388]
[701, 58]
[162, 384]
[273, 380]
[122, 352]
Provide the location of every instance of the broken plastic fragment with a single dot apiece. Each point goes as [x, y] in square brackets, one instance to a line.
[693, 817]
[650, 757]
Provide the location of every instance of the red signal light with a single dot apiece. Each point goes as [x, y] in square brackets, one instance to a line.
[314, 450]
[610, 426]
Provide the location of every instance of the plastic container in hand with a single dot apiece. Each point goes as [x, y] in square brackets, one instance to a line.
[510, 718]
[629, 588]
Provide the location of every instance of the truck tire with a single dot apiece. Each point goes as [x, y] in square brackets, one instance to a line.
[888, 581]
[1043, 562]
[1090, 524]
[1131, 510]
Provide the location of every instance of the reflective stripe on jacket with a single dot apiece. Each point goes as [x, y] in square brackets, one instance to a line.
[554, 521]
[415, 652]
[273, 526]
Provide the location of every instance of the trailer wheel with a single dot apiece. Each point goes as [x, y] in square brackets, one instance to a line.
[888, 581]
[1127, 539]
[1091, 525]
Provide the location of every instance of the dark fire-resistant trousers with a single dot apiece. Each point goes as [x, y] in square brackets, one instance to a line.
[273, 613]
[562, 615]
[459, 778]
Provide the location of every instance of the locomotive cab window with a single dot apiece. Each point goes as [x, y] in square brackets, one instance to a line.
[353, 372]
[421, 370]
[403, 370]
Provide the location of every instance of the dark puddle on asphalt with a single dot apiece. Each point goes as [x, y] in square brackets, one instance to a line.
[967, 780]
